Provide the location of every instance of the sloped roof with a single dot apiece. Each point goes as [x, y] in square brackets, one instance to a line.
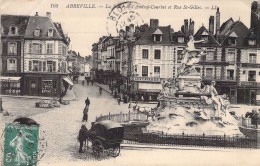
[14, 20]
[60, 30]
[44, 23]
[211, 40]
[147, 36]
[225, 26]
[241, 31]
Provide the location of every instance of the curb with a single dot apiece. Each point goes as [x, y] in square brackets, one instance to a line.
[142, 147]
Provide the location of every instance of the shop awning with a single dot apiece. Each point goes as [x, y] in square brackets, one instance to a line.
[10, 79]
[68, 80]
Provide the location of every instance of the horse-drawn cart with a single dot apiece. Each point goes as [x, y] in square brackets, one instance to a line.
[106, 137]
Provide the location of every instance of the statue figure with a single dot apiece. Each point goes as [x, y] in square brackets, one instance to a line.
[191, 55]
[218, 100]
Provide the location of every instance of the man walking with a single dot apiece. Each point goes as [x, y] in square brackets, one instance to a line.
[82, 137]
[87, 102]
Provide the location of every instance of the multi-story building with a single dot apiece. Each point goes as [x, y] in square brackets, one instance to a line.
[152, 60]
[35, 49]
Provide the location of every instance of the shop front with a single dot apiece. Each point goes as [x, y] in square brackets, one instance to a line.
[10, 85]
[43, 84]
[248, 93]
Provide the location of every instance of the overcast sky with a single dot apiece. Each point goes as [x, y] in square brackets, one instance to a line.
[85, 25]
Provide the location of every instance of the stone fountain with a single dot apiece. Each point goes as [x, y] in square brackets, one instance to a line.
[186, 107]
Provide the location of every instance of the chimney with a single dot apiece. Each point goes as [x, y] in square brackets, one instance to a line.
[121, 35]
[191, 28]
[217, 23]
[211, 25]
[131, 31]
[186, 29]
[137, 29]
[182, 29]
[36, 14]
[48, 14]
[154, 22]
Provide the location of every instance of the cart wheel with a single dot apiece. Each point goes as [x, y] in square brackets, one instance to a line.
[114, 152]
[98, 150]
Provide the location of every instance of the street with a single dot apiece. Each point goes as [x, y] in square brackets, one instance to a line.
[62, 125]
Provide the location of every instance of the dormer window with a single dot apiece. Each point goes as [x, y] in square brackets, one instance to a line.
[50, 32]
[157, 35]
[13, 30]
[251, 42]
[180, 39]
[37, 31]
[232, 40]
[205, 36]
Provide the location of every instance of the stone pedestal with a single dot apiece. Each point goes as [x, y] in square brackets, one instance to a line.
[190, 81]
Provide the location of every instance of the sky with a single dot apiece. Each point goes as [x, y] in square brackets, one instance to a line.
[85, 25]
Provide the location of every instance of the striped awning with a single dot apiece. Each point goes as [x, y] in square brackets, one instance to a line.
[68, 80]
[10, 79]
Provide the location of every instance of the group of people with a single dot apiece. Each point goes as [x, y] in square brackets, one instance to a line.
[255, 117]
[87, 81]
[82, 137]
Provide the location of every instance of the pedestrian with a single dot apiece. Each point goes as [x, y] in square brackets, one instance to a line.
[87, 102]
[92, 82]
[118, 100]
[87, 81]
[100, 90]
[82, 137]
[83, 82]
[85, 113]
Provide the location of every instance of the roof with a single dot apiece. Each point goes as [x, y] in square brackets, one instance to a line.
[108, 124]
[225, 26]
[60, 30]
[239, 29]
[211, 40]
[44, 23]
[13, 20]
[147, 36]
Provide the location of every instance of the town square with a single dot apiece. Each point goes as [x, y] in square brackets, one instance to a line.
[130, 88]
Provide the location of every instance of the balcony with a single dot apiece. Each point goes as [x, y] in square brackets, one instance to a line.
[148, 79]
[213, 62]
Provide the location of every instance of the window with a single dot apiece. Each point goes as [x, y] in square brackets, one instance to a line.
[252, 58]
[179, 55]
[35, 66]
[210, 56]
[145, 53]
[180, 39]
[35, 48]
[209, 72]
[40, 65]
[50, 32]
[252, 76]
[230, 74]
[11, 64]
[64, 50]
[158, 38]
[12, 48]
[157, 54]
[13, 30]
[231, 55]
[251, 42]
[49, 48]
[232, 41]
[205, 38]
[37, 31]
[156, 71]
[145, 71]
[44, 66]
[51, 66]
[33, 84]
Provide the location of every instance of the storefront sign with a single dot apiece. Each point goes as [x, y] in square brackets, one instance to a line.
[251, 84]
[148, 79]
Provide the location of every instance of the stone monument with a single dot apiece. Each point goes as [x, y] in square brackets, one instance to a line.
[186, 107]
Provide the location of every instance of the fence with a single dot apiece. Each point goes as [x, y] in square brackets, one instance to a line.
[123, 117]
[190, 140]
[163, 139]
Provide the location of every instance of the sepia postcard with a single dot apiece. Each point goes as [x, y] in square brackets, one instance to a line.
[130, 83]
